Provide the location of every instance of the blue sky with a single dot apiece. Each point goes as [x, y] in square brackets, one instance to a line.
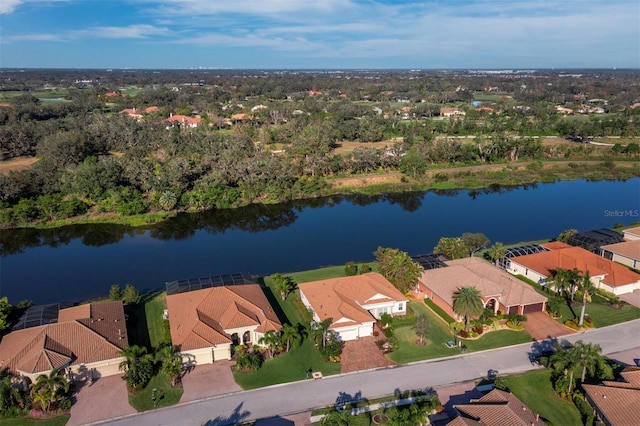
[301, 34]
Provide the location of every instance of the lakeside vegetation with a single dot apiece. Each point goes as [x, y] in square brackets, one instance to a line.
[102, 157]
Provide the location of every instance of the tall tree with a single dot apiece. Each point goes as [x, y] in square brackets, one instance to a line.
[283, 285]
[319, 331]
[399, 268]
[564, 361]
[171, 362]
[474, 241]
[290, 336]
[587, 288]
[452, 247]
[589, 356]
[467, 301]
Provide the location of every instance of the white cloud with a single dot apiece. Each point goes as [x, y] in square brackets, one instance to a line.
[128, 32]
[8, 6]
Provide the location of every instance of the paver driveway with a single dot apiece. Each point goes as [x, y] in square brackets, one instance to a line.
[541, 326]
[103, 399]
[362, 354]
[209, 380]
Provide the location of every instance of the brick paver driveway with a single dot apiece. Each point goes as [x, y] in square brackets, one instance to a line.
[541, 326]
[209, 380]
[103, 399]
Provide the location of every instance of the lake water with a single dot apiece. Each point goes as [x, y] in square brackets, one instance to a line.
[80, 262]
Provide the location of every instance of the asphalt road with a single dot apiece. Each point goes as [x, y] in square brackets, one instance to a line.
[306, 395]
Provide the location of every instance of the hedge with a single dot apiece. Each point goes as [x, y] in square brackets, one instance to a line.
[438, 310]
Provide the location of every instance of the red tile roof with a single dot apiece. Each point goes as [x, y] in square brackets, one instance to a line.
[571, 257]
[342, 299]
[490, 280]
[617, 403]
[498, 408]
[183, 119]
[83, 334]
[200, 318]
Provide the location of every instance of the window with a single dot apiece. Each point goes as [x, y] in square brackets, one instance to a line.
[401, 306]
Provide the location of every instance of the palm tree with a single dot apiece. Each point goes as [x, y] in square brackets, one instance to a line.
[467, 301]
[137, 366]
[271, 340]
[48, 388]
[290, 336]
[587, 288]
[172, 364]
[497, 252]
[564, 361]
[566, 280]
[589, 355]
[319, 330]
[283, 285]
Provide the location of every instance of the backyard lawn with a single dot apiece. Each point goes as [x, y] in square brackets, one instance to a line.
[439, 334]
[535, 391]
[20, 421]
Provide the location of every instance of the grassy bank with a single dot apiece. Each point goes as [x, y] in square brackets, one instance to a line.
[438, 177]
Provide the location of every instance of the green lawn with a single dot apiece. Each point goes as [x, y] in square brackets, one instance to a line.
[439, 334]
[535, 391]
[165, 394]
[602, 314]
[288, 367]
[21, 421]
[154, 308]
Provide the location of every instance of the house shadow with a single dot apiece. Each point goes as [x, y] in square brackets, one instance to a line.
[273, 301]
[236, 418]
[463, 398]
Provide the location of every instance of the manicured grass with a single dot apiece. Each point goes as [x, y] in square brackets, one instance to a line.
[287, 367]
[535, 391]
[21, 421]
[440, 333]
[154, 308]
[165, 394]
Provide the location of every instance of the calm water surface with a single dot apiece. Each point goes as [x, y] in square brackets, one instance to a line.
[79, 262]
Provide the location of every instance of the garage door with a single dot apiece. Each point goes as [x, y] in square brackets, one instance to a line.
[536, 307]
[347, 334]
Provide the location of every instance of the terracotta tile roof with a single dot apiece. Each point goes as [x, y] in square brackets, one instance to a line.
[5, 105]
[83, 334]
[183, 119]
[633, 231]
[499, 408]
[615, 405]
[556, 245]
[199, 318]
[571, 257]
[486, 277]
[343, 299]
[630, 249]
[151, 109]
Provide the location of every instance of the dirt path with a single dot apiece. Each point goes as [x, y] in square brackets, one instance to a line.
[16, 164]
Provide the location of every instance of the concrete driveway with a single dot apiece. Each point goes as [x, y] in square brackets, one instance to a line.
[541, 326]
[103, 399]
[632, 298]
[209, 380]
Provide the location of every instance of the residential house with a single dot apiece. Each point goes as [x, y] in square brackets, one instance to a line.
[500, 291]
[451, 112]
[184, 121]
[353, 303]
[604, 273]
[563, 110]
[617, 403]
[134, 113]
[206, 322]
[627, 253]
[496, 408]
[85, 341]
[631, 234]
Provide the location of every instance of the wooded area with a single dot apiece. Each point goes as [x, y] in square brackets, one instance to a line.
[133, 141]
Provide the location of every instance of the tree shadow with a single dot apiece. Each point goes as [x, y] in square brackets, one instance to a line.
[546, 348]
[237, 417]
[346, 401]
[273, 301]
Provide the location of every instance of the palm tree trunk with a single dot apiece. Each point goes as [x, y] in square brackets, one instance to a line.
[584, 372]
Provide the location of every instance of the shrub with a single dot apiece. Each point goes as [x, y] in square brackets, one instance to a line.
[584, 408]
[438, 310]
[364, 268]
[572, 324]
[463, 334]
[441, 177]
[350, 269]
